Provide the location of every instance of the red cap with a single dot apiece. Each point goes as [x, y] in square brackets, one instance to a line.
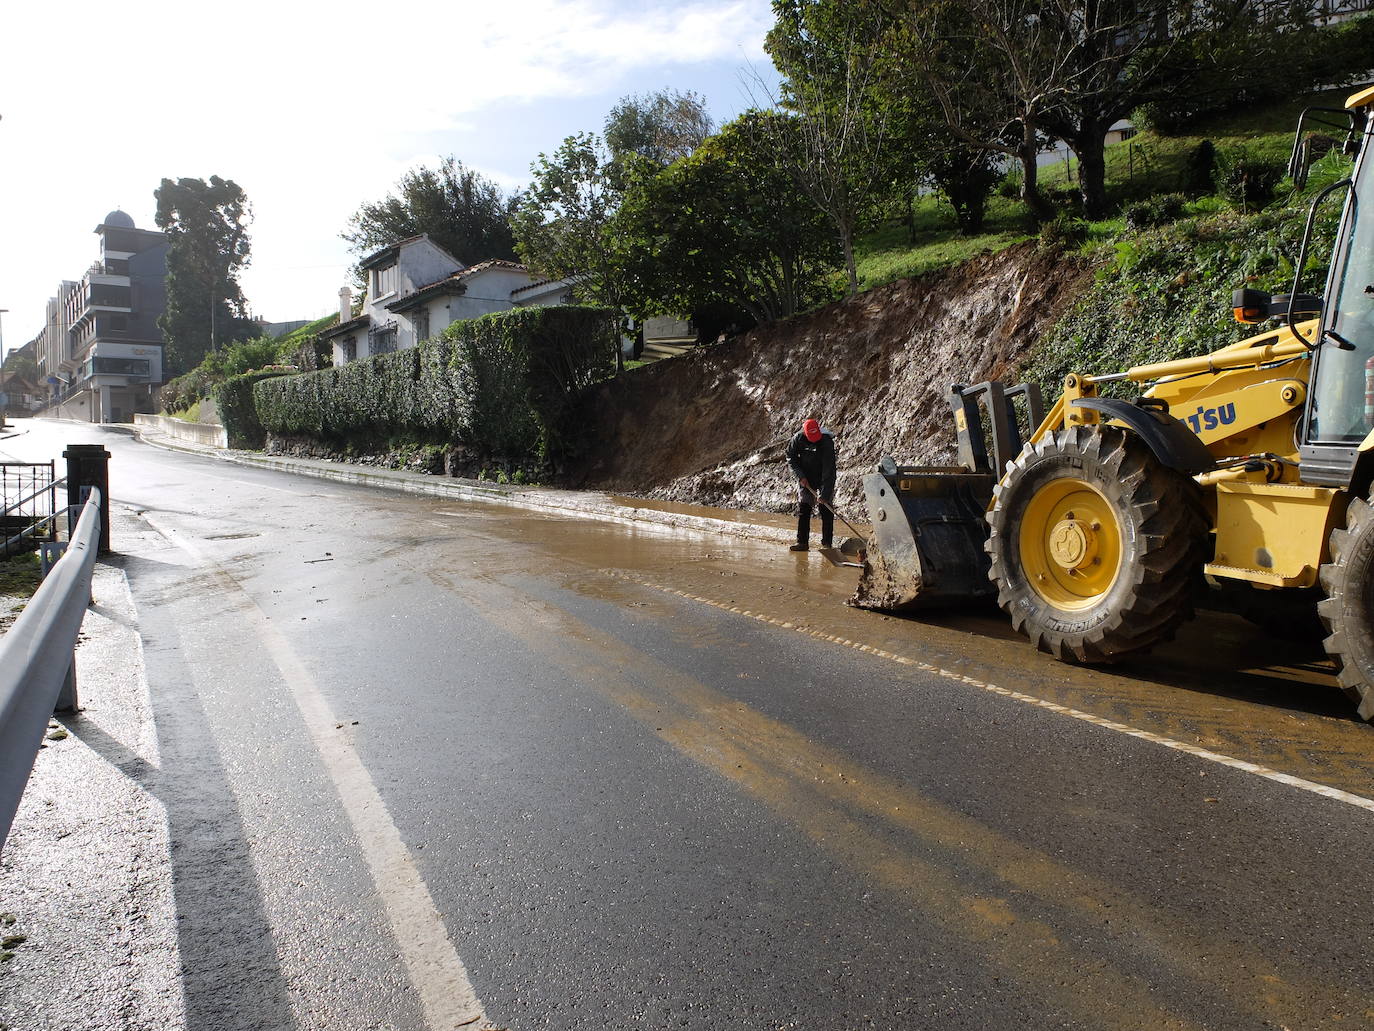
[812, 429]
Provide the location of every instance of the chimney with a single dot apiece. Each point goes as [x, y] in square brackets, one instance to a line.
[345, 304]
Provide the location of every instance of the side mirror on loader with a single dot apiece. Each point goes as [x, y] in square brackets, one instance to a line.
[1252, 306]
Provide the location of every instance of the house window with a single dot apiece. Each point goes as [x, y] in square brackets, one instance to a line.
[421, 320]
[382, 339]
[384, 280]
[350, 348]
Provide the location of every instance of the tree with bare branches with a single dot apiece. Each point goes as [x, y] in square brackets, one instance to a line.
[830, 54]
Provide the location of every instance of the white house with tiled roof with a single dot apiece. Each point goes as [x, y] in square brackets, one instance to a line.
[415, 288]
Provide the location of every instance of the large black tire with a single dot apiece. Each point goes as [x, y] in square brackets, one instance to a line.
[1348, 609]
[1096, 547]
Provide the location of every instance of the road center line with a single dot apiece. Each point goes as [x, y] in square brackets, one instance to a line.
[432, 963]
[1221, 759]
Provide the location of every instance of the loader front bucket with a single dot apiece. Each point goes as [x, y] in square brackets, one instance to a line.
[928, 534]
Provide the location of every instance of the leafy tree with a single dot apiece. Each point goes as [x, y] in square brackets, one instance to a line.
[986, 69]
[659, 127]
[207, 235]
[462, 212]
[830, 52]
[1066, 69]
[723, 234]
[561, 221]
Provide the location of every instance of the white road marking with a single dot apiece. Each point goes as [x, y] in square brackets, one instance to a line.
[267, 486]
[1220, 758]
[432, 963]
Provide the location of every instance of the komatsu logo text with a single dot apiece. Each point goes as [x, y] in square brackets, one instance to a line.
[1210, 418]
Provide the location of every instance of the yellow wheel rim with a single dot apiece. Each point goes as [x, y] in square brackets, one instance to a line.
[1070, 543]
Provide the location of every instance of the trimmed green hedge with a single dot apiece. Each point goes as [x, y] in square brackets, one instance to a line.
[502, 384]
[237, 412]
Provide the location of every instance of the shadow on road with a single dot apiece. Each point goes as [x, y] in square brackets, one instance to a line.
[230, 971]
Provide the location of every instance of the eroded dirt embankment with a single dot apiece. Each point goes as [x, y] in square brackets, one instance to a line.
[711, 427]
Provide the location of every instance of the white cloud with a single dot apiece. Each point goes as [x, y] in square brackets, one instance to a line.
[311, 109]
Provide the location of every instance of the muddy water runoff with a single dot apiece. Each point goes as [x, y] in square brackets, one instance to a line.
[1222, 685]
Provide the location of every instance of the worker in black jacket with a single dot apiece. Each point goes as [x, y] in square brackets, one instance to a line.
[811, 456]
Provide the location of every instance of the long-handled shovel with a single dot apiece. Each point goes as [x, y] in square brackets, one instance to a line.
[851, 548]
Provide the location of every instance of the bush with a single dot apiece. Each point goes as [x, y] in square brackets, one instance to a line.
[1248, 184]
[181, 393]
[1329, 169]
[240, 357]
[237, 412]
[1069, 198]
[501, 384]
[305, 349]
[1200, 169]
[1157, 211]
[1063, 232]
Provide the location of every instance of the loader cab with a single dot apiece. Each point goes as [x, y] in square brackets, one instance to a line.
[1340, 410]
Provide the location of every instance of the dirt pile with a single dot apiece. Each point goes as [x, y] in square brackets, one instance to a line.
[711, 427]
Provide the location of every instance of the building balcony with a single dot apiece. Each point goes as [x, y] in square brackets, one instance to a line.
[108, 297]
[113, 272]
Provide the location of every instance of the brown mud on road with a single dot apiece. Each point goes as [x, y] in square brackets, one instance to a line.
[1221, 686]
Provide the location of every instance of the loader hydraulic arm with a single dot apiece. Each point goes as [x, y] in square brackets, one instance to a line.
[1259, 351]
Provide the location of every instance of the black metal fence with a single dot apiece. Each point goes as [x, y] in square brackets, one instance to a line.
[28, 505]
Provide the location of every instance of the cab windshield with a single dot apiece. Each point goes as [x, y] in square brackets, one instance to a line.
[1343, 380]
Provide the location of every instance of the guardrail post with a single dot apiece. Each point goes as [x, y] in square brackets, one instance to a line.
[48, 554]
[88, 465]
[66, 699]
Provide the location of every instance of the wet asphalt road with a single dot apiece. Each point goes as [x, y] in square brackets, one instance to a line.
[647, 779]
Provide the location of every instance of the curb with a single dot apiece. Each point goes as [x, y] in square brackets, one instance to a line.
[598, 506]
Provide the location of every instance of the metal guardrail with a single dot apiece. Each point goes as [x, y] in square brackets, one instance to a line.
[37, 670]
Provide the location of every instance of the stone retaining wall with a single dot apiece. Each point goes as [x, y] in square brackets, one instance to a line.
[198, 432]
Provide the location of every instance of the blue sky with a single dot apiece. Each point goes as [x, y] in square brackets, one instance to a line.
[314, 109]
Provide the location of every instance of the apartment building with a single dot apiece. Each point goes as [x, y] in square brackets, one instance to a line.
[100, 351]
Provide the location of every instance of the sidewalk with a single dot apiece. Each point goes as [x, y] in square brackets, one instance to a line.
[87, 920]
[764, 526]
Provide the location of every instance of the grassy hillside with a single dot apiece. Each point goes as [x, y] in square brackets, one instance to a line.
[1147, 165]
[1164, 275]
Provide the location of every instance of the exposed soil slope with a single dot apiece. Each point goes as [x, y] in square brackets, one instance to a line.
[711, 427]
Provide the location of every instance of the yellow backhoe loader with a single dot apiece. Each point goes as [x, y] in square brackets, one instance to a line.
[1249, 468]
